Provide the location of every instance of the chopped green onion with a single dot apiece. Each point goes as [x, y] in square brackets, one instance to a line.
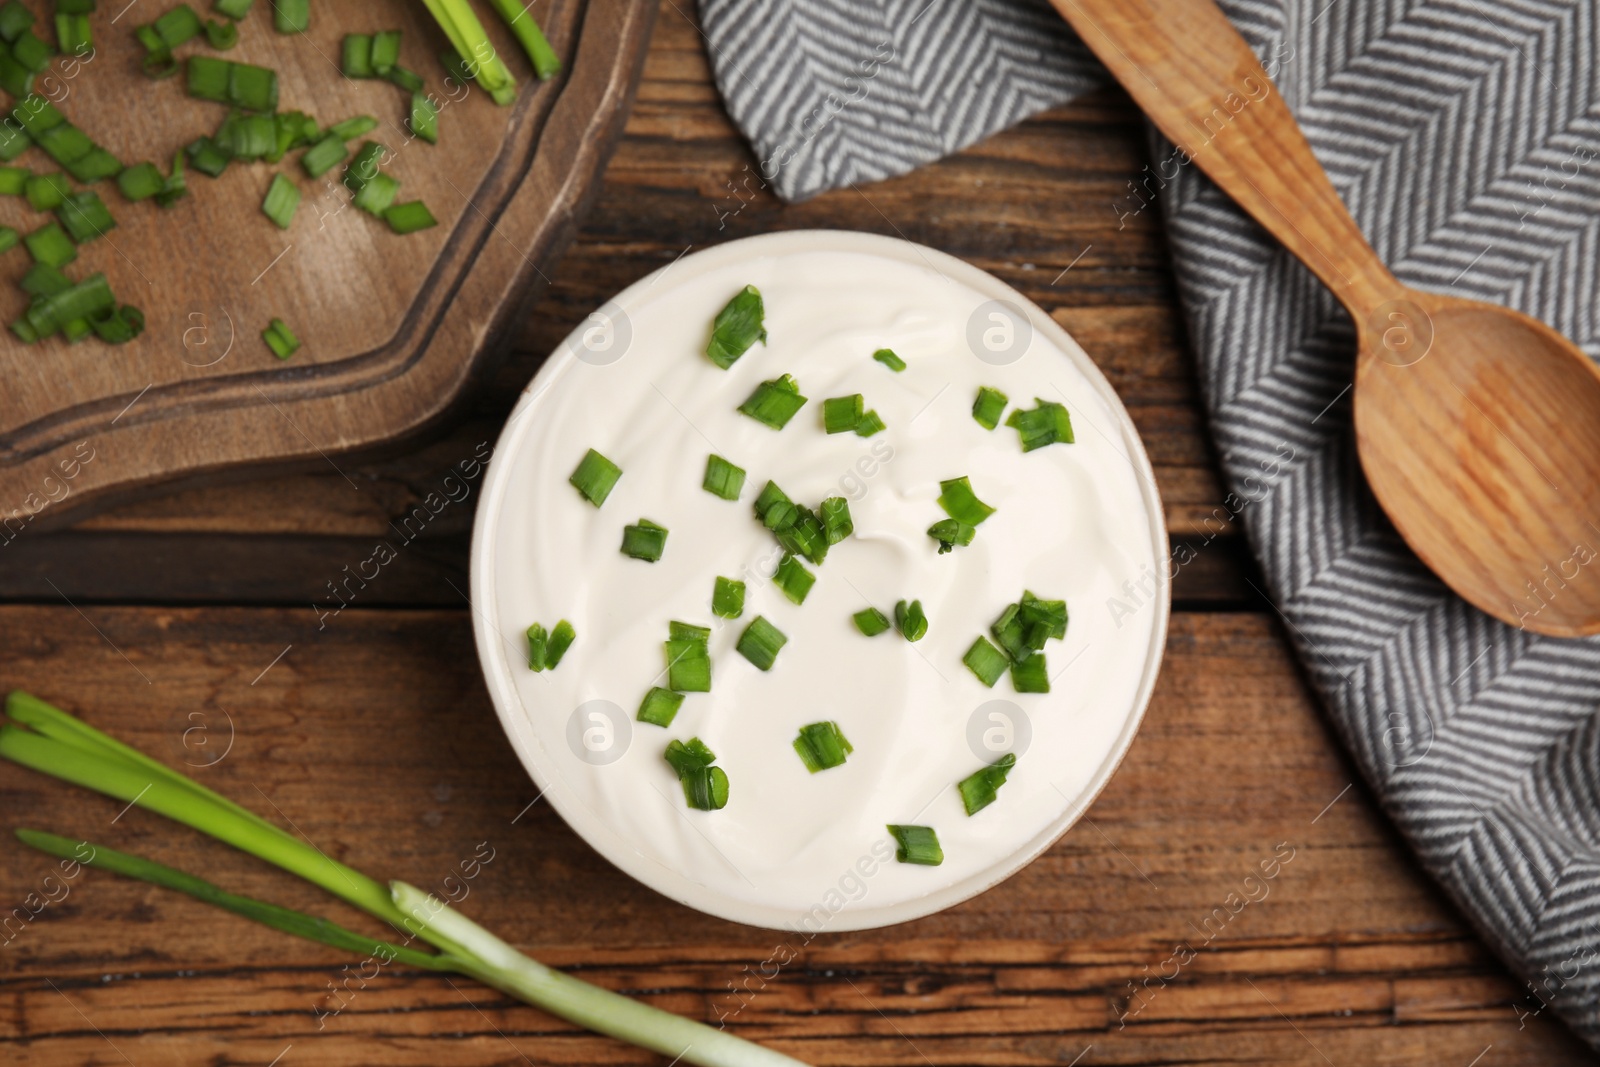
[355, 56]
[561, 639]
[836, 521]
[644, 540]
[36, 115]
[961, 503]
[595, 476]
[73, 33]
[688, 659]
[727, 598]
[44, 280]
[821, 745]
[950, 533]
[364, 165]
[769, 496]
[291, 16]
[842, 414]
[354, 127]
[1044, 425]
[178, 26]
[1049, 614]
[280, 339]
[917, 844]
[405, 79]
[323, 156]
[979, 789]
[94, 166]
[985, 661]
[141, 181]
[545, 62]
[988, 407]
[88, 300]
[871, 621]
[32, 51]
[121, 326]
[774, 402]
[887, 357]
[85, 216]
[9, 239]
[870, 424]
[233, 9]
[1010, 633]
[25, 333]
[722, 478]
[14, 180]
[1030, 675]
[690, 755]
[385, 50]
[46, 192]
[660, 707]
[761, 642]
[793, 578]
[409, 217]
[283, 197]
[688, 631]
[226, 82]
[221, 35]
[538, 645]
[14, 19]
[14, 79]
[205, 156]
[64, 143]
[910, 620]
[706, 789]
[424, 118]
[738, 325]
[296, 129]
[376, 196]
[50, 245]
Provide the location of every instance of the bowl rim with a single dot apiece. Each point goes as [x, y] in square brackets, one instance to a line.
[512, 714]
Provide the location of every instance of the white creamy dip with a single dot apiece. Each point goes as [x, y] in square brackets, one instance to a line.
[1074, 521]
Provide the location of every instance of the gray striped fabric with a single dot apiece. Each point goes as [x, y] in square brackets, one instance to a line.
[1464, 135]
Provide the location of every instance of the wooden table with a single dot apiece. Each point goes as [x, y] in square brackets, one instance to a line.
[187, 620]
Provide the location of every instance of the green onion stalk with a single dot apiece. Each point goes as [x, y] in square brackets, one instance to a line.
[44, 738]
[471, 43]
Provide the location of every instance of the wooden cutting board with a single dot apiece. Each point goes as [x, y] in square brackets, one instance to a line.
[391, 326]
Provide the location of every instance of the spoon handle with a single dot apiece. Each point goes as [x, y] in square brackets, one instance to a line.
[1189, 70]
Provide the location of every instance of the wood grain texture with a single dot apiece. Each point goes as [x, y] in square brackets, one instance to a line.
[391, 326]
[374, 739]
[1478, 427]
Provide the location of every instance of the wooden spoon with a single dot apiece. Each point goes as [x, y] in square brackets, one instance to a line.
[1478, 427]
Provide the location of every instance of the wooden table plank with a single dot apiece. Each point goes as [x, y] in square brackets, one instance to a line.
[373, 738]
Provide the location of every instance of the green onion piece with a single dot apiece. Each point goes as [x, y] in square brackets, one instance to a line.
[1044, 425]
[595, 477]
[985, 661]
[15, 79]
[64, 143]
[988, 407]
[917, 844]
[961, 503]
[121, 326]
[706, 789]
[283, 197]
[233, 9]
[688, 631]
[951, 533]
[88, 300]
[75, 330]
[14, 180]
[291, 16]
[1051, 614]
[1030, 675]
[690, 755]
[75, 7]
[761, 642]
[546, 64]
[208, 78]
[870, 424]
[354, 127]
[561, 638]
[323, 156]
[141, 181]
[660, 707]
[10, 239]
[85, 216]
[409, 217]
[221, 34]
[836, 521]
[644, 540]
[176, 187]
[32, 51]
[364, 165]
[376, 196]
[871, 621]
[159, 64]
[385, 50]
[467, 38]
[206, 157]
[46, 192]
[73, 33]
[727, 598]
[538, 644]
[14, 19]
[50, 245]
[842, 414]
[722, 478]
[36, 115]
[979, 789]
[738, 326]
[769, 496]
[1010, 633]
[688, 666]
[774, 402]
[44, 280]
[250, 87]
[410, 81]
[355, 56]
[280, 339]
[821, 745]
[424, 117]
[25, 333]
[95, 165]
[910, 620]
[178, 26]
[887, 357]
[793, 578]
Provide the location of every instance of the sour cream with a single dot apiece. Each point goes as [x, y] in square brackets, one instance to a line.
[1079, 522]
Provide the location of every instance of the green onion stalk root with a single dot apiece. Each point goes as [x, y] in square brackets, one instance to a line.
[46, 739]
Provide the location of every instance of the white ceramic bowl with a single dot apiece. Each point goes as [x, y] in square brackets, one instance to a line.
[537, 711]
